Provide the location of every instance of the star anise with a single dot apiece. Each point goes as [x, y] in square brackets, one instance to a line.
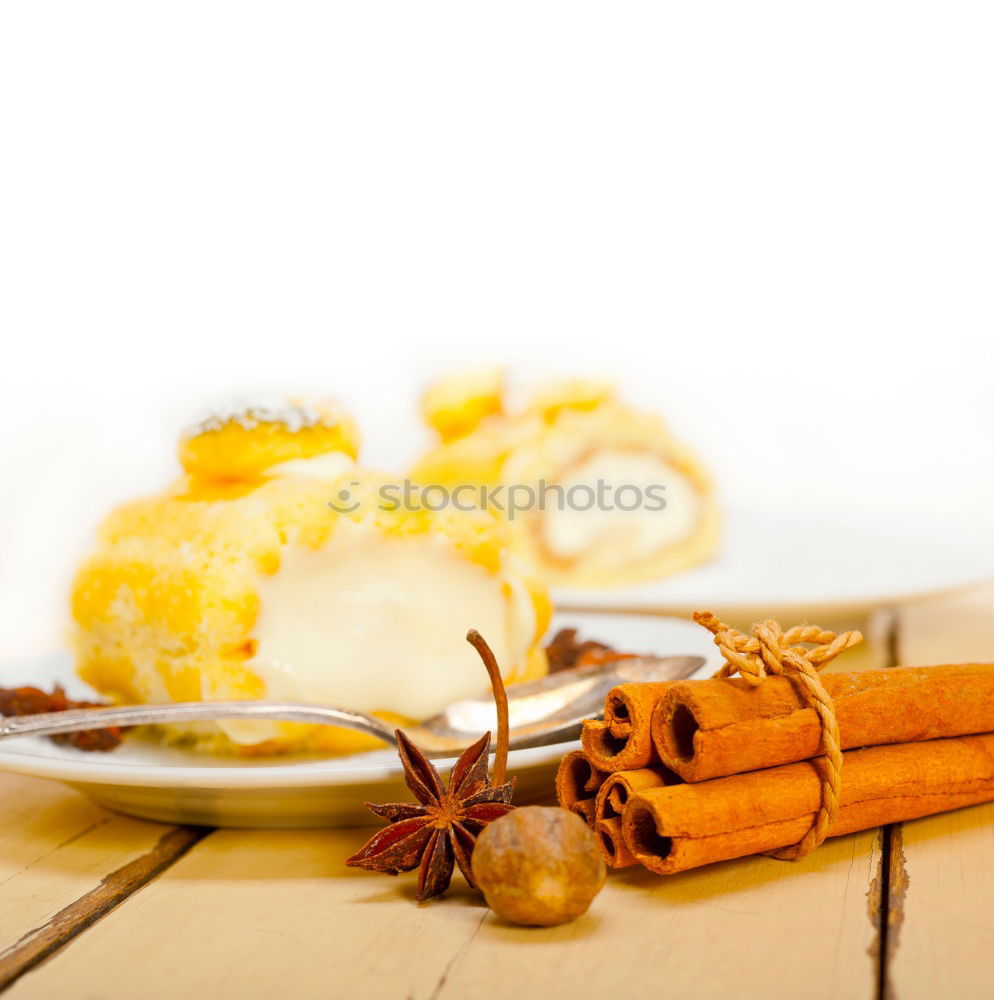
[439, 831]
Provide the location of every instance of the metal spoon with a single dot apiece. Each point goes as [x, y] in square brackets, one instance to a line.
[540, 712]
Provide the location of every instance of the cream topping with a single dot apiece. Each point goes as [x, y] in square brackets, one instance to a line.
[375, 623]
[330, 465]
[631, 535]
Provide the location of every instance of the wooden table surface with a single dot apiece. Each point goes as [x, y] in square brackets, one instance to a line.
[96, 905]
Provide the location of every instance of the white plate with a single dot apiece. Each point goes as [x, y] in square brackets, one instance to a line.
[773, 564]
[143, 778]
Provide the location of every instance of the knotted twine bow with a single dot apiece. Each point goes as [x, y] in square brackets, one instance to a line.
[770, 650]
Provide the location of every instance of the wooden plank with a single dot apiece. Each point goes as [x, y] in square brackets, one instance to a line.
[748, 929]
[941, 873]
[941, 933]
[950, 629]
[275, 913]
[56, 847]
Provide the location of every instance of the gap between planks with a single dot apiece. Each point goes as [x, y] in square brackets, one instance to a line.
[43, 942]
[887, 910]
[893, 888]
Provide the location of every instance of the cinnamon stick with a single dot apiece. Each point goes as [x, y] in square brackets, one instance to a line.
[577, 783]
[611, 840]
[586, 809]
[673, 828]
[612, 797]
[618, 788]
[623, 741]
[708, 729]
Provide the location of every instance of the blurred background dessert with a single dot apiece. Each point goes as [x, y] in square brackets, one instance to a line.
[595, 492]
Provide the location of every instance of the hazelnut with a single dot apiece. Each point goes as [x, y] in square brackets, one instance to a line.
[538, 865]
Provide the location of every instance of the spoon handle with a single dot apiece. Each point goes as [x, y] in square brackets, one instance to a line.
[78, 719]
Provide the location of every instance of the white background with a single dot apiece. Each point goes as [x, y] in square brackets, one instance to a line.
[774, 221]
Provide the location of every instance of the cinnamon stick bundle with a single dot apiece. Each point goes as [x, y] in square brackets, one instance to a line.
[712, 728]
[577, 783]
[623, 740]
[612, 797]
[672, 828]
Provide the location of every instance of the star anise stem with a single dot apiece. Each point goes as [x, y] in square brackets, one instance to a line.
[500, 700]
[438, 832]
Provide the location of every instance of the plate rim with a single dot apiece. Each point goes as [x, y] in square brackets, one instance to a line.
[290, 775]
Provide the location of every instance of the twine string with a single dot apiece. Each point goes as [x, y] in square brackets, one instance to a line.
[797, 654]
